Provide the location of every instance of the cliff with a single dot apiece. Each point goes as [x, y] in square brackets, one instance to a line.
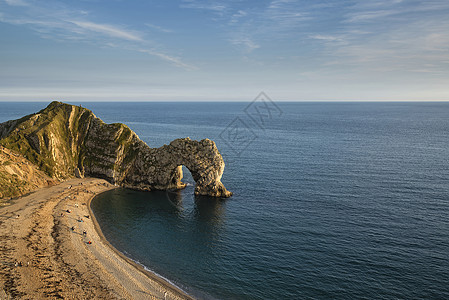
[18, 176]
[64, 141]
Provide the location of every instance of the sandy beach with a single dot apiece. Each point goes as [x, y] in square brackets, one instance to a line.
[41, 257]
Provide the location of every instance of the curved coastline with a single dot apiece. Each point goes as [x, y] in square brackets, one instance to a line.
[52, 247]
[170, 287]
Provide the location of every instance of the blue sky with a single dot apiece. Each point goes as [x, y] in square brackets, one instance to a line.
[84, 50]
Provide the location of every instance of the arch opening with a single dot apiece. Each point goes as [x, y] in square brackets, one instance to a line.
[182, 177]
[187, 177]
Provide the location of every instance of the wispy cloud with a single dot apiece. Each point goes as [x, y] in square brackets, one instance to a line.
[329, 39]
[326, 37]
[109, 30]
[396, 36]
[158, 28]
[16, 2]
[237, 16]
[287, 13]
[174, 60]
[57, 21]
[373, 11]
[216, 6]
[245, 42]
[250, 28]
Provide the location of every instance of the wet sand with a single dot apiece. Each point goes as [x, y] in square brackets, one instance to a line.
[41, 257]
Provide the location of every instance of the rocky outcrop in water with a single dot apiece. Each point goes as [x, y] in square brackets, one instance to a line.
[66, 141]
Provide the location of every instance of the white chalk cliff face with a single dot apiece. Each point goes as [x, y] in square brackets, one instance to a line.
[65, 141]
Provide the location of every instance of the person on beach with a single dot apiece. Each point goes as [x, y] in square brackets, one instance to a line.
[84, 232]
[73, 228]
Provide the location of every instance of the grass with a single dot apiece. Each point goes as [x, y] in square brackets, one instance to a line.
[12, 186]
[38, 137]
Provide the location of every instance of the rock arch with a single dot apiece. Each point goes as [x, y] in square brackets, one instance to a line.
[162, 167]
[65, 140]
[203, 161]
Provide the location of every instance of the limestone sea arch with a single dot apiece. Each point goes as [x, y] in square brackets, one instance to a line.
[65, 140]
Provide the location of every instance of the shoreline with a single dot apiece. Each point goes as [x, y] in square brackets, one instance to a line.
[153, 276]
[45, 254]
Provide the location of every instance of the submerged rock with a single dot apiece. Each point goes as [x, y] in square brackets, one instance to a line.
[66, 141]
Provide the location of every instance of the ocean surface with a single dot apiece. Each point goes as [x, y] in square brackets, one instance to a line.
[331, 200]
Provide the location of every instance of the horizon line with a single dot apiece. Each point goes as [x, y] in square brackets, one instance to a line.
[211, 101]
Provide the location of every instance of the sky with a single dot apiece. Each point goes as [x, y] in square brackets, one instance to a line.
[216, 50]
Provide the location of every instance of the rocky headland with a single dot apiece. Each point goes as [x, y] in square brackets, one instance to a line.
[64, 141]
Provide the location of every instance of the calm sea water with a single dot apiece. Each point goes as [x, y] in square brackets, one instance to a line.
[331, 200]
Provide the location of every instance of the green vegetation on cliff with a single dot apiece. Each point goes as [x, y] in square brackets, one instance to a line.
[65, 141]
[19, 176]
[50, 138]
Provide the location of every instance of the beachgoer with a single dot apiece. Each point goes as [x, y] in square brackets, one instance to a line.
[73, 228]
[84, 232]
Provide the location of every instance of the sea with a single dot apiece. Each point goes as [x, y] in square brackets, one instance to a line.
[332, 200]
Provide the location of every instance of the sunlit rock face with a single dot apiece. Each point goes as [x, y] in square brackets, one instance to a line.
[66, 141]
[161, 168]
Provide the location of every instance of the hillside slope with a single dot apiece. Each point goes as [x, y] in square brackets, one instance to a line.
[18, 176]
[64, 140]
